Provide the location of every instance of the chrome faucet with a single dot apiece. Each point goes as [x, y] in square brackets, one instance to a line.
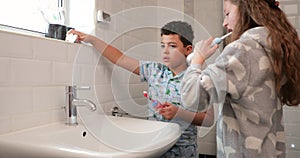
[72, 102]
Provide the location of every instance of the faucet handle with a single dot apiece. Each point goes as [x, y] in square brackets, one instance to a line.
[83, 87]
[115, 111]
[74, 88]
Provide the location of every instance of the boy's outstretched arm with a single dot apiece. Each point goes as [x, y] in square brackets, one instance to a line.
[111, 53]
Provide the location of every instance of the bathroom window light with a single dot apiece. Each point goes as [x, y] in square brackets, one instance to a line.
[29, 15]
[33, 16]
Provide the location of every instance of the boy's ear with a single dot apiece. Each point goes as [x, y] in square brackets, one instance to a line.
[189, 49]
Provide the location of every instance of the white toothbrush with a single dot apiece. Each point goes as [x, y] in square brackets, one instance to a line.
[217, 40]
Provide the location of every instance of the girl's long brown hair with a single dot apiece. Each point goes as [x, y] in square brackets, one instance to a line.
[284, 40]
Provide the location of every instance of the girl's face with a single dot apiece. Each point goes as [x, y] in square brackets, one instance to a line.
[231, 15]
[174, 53]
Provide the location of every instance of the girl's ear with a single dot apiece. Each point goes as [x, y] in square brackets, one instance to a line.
[189, 49]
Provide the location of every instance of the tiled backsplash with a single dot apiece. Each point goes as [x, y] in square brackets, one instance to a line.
[31, 90]
[291, 114]
[34, 72]
[292, 10]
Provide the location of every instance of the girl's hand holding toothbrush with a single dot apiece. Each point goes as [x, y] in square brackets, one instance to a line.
[203, 50]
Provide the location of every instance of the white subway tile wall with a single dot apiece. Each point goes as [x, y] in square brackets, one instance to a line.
[34, 70]
[292, 114]
[32, 85]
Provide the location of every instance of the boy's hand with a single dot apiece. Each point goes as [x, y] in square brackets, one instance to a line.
[168, 110]
[80, 36]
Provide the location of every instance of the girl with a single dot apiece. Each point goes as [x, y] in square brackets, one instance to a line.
[255, 75]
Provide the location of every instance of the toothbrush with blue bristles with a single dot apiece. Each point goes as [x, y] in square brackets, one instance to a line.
[217, 40]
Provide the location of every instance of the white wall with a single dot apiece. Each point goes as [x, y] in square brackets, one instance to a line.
[33, 74]
[35, 70]
[292, 114]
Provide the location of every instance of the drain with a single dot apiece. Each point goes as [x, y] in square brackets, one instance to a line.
[84, 133]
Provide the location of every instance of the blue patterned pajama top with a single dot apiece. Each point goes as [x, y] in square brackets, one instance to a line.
[164, 86]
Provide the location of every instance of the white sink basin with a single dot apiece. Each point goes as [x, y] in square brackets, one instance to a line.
[110, 137]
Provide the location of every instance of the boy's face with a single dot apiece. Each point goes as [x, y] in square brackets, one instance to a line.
[173, 52]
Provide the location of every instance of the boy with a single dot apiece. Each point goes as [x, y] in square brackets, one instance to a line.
[163, 81]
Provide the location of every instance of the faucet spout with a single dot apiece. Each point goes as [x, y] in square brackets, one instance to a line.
[72, 102]
[87, 103]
